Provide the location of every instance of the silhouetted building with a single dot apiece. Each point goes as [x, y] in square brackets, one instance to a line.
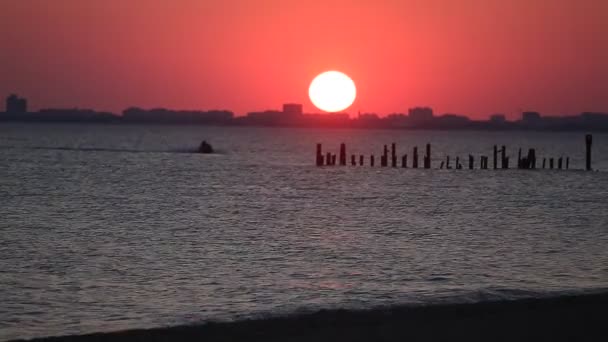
[292, 109]
[16, 105]
[71, 115]
[396, 120]
[452, 121]
[368, 120]
[266, 118]
[498, 118]
[419, 115]
[162, 115]
[530, 117]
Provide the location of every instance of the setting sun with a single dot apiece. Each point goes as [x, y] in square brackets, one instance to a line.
[332, 91]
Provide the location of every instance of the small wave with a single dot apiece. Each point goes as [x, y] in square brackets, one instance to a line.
[438, 278]
[492, 294]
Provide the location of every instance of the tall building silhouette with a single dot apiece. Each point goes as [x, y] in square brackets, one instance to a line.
[16, 105]
[292, 109]
[420, 114]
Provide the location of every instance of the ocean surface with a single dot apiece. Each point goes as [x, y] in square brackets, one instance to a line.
[110, 227]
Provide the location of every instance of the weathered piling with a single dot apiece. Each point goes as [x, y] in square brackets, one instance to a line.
[519, 166]
[427, 157]
[404, 161]
[523, 162]
[531, 159]
[371, 160]
[384, 157]
[393, 155]
[441, 166]
[342, 154]
[319, 155]
[588, 142]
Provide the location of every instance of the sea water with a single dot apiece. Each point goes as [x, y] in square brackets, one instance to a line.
[110, 227]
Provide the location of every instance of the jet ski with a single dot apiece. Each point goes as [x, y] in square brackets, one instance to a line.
[205, 147]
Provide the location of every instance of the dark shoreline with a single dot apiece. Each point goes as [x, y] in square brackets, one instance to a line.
[566, 318]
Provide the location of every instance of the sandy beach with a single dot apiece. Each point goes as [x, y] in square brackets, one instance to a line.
[569, 318]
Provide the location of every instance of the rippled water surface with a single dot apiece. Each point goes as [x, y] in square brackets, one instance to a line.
[116, 227]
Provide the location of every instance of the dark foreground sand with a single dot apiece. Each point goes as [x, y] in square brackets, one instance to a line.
[573, 318]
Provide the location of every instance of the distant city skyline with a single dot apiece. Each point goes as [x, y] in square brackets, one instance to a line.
[17, 104]
[293, 115]
[473, 57]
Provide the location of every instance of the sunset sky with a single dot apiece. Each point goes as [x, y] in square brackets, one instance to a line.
[475, 57]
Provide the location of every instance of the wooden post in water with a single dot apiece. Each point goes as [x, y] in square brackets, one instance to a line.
[371, 160]
[393, 155]
[353, 160]
[447, 163]
[384, 157]
[458, 166]
[519, 166]
[567, 163]
[471, 162]
[495, 157]
[342, 154]
[404, 161]
[560, 162]
[530, 159]
[415, 161]
[551, 163]
[588, 142]
[503, 157]
[328, 159]
[361, 160]
[427, 158]
[507, 162]
[319, 155]
[441, 166]
[544, 162]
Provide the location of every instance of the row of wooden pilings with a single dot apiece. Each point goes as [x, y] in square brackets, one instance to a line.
[523, 162]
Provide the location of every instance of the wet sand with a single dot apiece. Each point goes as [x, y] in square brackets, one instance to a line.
[569, 318]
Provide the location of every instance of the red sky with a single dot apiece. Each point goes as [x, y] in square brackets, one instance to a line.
[474, 57]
